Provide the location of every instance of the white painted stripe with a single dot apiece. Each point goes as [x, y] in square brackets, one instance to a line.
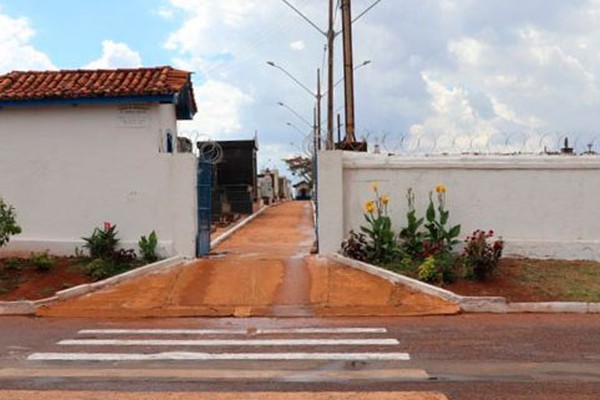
[232, 342]
[229, 331]
[187, 356]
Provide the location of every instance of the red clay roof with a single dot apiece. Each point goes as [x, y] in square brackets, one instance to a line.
[76, 84]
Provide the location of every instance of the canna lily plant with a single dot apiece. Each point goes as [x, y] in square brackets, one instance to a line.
[381, 245]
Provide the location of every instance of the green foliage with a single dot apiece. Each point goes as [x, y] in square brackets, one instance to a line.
[148, 247]
[411, 235]
[79, 253]
[438, 237]
[428, 271]
[438, 269]
[381, 245]
[481, 257]
[8, 222]
[100, 269]
[121, 261]
[107, 260]
[42, 261]
[13, 264]
[405, 266]
[103, 242]
[355, 246]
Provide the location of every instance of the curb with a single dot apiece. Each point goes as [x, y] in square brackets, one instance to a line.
[470, 304]
[29, 307]
[227, 234]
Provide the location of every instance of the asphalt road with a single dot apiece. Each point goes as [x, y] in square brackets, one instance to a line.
[464, 357]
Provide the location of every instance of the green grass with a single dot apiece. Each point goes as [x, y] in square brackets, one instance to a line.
[543, 280]
[567, 280]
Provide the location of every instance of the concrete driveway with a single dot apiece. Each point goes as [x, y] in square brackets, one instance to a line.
[264, 269]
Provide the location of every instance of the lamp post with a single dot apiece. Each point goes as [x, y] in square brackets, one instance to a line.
[318, 96]
[297, 114]
[298, 130]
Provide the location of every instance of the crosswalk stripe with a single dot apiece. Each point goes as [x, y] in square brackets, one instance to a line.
[231, 342]
[190, 356]
[230, 331]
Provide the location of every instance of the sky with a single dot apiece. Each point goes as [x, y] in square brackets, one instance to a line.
[444, 76]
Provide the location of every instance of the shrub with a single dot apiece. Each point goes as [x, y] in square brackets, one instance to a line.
[148, 247]
[355, 246]
[439, 238]
[381, 244]
[107, 260]
[8, 222]
[103, 242]
[100, 269]
[481, 257]
[438, 269]
[13, 264]
[411, 236]
[427, 271]
[42, 261]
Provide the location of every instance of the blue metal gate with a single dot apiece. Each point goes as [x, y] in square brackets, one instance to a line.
[204, 188]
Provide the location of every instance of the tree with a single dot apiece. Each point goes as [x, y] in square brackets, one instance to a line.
[301, 167]
[8, 223]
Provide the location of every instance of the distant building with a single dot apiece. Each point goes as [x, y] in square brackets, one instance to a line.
[303, 191]
[235, 185]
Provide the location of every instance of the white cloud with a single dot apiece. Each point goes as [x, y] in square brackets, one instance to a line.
[165, 12]
[116, 55]
[218, 110]
[16, 52]
[297, 45]
[466, 71]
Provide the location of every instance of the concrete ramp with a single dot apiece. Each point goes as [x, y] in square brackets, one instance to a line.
[263, 270]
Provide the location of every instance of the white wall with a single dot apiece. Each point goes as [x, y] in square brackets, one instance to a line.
[68, 169]
[543, 206]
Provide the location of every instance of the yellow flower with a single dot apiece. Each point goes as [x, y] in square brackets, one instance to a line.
[370, 206]
[385, 199]
[375, 186]
[440, 188]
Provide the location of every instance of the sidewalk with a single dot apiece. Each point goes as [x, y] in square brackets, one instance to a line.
[264, 269]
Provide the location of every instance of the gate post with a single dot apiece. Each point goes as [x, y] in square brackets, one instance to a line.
[204, 188]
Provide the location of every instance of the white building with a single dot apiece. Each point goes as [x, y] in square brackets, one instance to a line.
[78, 148]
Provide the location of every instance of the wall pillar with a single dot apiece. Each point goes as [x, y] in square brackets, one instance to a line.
[331, 201]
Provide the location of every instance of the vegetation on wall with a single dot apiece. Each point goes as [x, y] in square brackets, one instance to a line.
[424, 246]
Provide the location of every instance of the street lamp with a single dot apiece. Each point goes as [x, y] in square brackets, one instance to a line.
[317, 96]
[298, 130]
[297, 114]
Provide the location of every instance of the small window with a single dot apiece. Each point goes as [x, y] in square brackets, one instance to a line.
[133, 116]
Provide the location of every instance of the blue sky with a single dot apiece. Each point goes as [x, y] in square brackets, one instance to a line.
[446, 75]
[72, 33]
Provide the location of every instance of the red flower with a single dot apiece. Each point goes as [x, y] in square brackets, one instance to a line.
[107, 226]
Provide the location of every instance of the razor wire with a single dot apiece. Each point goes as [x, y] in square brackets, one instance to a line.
[204, 146]
[495, 143]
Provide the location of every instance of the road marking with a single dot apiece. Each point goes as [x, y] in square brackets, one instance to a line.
[95, 395]
[190, 356]
[216, 374]
[232, 342]
[229, 331]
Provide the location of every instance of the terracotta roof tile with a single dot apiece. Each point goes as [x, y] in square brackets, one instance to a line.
[74, 84]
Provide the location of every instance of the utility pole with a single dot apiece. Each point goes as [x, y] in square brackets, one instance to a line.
[330, 41]
[318, 123]
[348, 71]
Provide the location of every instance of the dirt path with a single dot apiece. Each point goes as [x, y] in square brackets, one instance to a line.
[263, 270]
